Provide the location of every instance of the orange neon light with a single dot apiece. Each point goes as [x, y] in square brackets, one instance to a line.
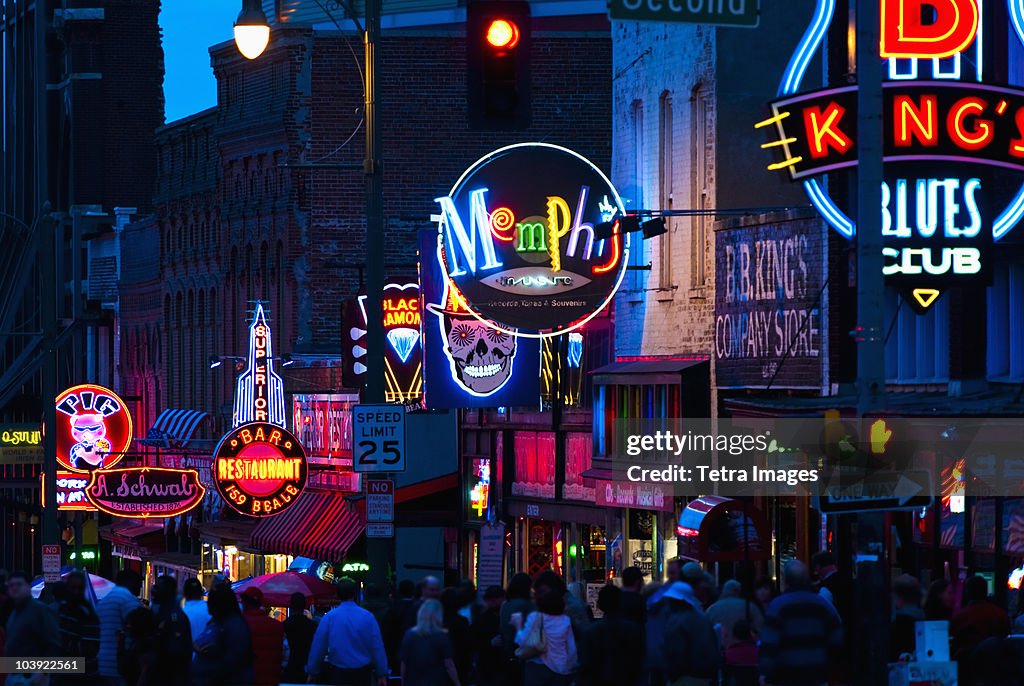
[982, 133]
[904, 33]
[503, 224]
[823, 130]
[616, 253]
[1017, 144]
[916, 120]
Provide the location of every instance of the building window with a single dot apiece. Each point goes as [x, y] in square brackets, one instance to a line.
[535, 464]
[1005, 355]
[665, 163]
[916, 346]
[637, 249]
[699, 185]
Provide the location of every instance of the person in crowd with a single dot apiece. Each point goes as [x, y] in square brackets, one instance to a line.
[398, 618]
[347, 649]
[764, 593]
[138, 649]
[907, 612]
[517, 601]
[467, 600]
[173, 635]
[690, 654]
[1018, 613]
[731, 608]
[298, 630]
[375, 601]
[113, 610]
[79, 630]
[430, 589]
[802, 633]
[577, 609]
[978, 619]
[224, 649]
[661, 604]
[195, 606]
[612, 651]
[486, 632]
[702, 583]
[267, 637]
[427, 655]
[32, 629]
[743, 650]
[632, 605]
[940, 600]
[458, 632]
[555, 662]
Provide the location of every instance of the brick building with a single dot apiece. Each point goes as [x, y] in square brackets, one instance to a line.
[82, 96]
[257, 199]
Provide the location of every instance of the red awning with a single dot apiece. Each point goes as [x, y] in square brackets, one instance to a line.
[319, 525]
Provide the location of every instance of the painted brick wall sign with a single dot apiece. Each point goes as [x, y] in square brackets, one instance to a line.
[259, 469]
[768, 325]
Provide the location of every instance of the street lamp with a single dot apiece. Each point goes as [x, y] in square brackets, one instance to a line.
[252, 30]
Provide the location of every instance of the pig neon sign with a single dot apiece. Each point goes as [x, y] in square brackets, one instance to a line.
[519, 242]
[953, 145]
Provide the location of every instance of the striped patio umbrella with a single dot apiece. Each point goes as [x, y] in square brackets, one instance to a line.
[278, 588]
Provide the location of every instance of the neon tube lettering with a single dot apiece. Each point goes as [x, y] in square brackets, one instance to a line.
[824, 132]
[459, 240]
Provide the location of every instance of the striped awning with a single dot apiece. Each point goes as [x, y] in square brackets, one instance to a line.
[174, 428]
[320, 525]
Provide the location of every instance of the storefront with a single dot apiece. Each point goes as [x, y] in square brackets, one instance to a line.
[226, 551]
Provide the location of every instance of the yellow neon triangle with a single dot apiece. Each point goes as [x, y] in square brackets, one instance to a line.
[926, 296]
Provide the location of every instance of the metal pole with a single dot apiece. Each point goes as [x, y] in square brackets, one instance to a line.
[379, 551]
[873, 598]
[48, 311]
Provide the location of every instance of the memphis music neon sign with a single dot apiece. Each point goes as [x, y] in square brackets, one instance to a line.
[519, 242]
[947, 134]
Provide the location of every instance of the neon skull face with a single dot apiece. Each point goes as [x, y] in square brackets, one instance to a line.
[481, 355]
[92, 445]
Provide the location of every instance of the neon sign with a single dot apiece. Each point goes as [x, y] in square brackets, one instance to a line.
[94, 428]
[951, 143]
[479, 494]
[518, 240]
[403, 357]
[259, 469]
[71, 492]
[259, 394]
[145, 491]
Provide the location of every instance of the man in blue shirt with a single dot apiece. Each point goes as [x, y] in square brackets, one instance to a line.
[350, 640]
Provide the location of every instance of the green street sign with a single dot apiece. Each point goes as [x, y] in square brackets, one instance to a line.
[739, 13]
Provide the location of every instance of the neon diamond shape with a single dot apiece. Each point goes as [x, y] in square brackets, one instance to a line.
[403, 341]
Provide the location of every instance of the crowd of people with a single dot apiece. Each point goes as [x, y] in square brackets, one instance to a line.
[686, 631]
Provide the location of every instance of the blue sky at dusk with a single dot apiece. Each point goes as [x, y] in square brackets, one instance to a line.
[190, 27]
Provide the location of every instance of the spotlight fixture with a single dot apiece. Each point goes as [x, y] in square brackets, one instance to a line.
[215, 362]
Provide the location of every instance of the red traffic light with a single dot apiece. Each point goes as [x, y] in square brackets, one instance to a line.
[502, 33]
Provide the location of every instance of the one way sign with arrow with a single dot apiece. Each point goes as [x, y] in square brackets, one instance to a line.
[889, 490]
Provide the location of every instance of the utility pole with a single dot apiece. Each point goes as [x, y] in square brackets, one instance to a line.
[47, 236]
[379, 551]
[872, 596]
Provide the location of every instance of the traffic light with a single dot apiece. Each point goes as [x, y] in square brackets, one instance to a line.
[498, 64]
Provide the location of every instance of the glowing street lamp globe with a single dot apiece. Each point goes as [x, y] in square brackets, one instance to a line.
[252, 31]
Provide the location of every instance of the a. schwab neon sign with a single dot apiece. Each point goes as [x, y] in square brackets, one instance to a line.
[518, 239]
[946, 137]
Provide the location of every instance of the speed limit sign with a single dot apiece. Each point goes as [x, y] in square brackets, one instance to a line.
[378, 443]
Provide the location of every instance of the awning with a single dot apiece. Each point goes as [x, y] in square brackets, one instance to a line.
[718, 529]
[127, 530]
[226, 532]
[319, 525]
[649, 370]
[173, 428]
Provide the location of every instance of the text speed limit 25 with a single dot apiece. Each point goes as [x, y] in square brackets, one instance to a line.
[378, 438]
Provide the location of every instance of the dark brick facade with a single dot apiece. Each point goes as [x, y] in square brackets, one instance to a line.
[249, 206]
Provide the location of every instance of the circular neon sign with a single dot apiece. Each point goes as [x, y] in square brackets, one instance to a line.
[518, 243]
[94, 428]
[259, 469]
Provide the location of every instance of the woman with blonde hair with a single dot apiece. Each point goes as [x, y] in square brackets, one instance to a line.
[427, 656]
